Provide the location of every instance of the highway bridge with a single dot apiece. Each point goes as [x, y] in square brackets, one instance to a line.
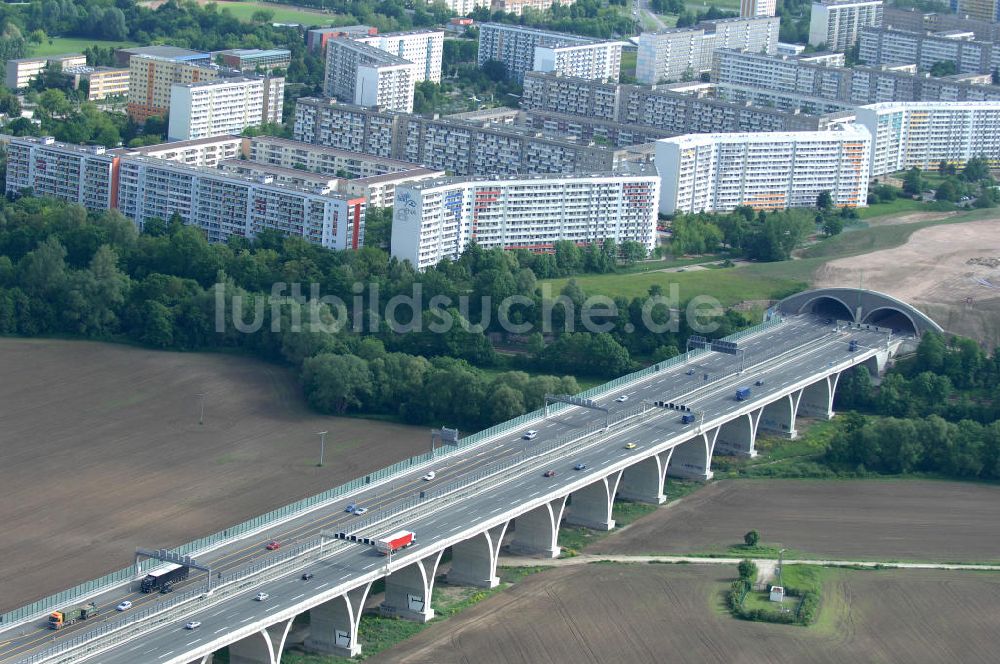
[491, 496]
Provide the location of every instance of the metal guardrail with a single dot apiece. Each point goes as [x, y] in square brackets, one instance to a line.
[96, 586]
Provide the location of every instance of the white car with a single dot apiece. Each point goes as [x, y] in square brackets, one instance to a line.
[358, 511]
[429, 476]
[622, 399]
[531, 434]
[124, 606]
[261, 597]
[194, 624]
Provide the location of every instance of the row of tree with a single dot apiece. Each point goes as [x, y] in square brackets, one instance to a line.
[940, 413]
[757, 235]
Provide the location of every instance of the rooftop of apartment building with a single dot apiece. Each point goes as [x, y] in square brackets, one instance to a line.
[168, 52]
[207, 171]
[87, 69]
[178, 145]
[50, 141]
[353, 29]
[551, 38]
[935, 105]
[325, 179]
[637, 170]
[336, 152]
[256, 52]
[375, 53]
[836, 131]
[49, 58]
[230, 80]
[840, 3]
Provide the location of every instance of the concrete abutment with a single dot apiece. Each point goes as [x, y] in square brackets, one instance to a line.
[591, 505]
[643, 482]
[536, 532]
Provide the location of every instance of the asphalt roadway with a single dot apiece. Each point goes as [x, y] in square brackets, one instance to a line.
[783, 355]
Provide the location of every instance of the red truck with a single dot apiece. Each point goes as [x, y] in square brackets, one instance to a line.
[395, 542]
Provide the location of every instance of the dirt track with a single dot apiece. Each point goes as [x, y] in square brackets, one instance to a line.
[650, 614]
[102, 448]
[863, 520]
[931, 271]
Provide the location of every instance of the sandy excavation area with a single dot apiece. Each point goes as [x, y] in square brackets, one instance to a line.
[950, 272]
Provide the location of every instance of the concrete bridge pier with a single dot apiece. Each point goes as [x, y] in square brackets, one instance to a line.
[263, 647]
[779, 416]
[692, 459]
[643, 482]
[408, 590]
[591, 505]
[536, 532]
[474, 561]
[737, 436]
[816, 400]
[333, 625]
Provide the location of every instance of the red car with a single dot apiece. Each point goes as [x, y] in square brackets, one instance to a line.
[273, 545]
[549, 473]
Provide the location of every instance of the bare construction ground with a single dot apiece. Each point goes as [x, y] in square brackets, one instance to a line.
[914, 520]
[950, 272]
[101, 451]
[649, 614]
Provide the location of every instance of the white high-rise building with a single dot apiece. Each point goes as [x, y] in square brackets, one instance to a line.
[757, 8]
[679, 53]
[424, 48]
[225, 204]
[74, 173]
[527, 49]
[357, 73]
[923, 134]
[765, 170]
[837, 23]
[223, 106]
[437, 219]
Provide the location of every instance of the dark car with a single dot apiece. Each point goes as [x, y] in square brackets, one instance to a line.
[580, 466]
[759, 382]
[167, 588]
[549, 473]
[307, 575]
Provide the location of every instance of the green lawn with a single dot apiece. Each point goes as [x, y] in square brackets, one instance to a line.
[61, 45]
[285, 13]
[729, 286]
[898, 206]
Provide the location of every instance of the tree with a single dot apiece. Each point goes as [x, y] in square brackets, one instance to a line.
[976, 169]
[833, 225]
[949, 190]
[751, 538]
[748, 568]
[943, 68]
[824, 201]
[913, 182]
[336, 383]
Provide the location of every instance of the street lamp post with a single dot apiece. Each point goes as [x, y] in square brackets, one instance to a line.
[201, 408]
[322, 447]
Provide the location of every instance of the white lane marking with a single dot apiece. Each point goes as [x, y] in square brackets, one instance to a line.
[165, 654]
[323, 586]
[534, 494]
[216, 613]
[298, 596]
[496, 510]
[454, 529]
[246, 620]
[220, 630]
[194, 642]
[271, 608]
[368, 566]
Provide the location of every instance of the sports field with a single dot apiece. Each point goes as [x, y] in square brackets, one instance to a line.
[61, 45]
